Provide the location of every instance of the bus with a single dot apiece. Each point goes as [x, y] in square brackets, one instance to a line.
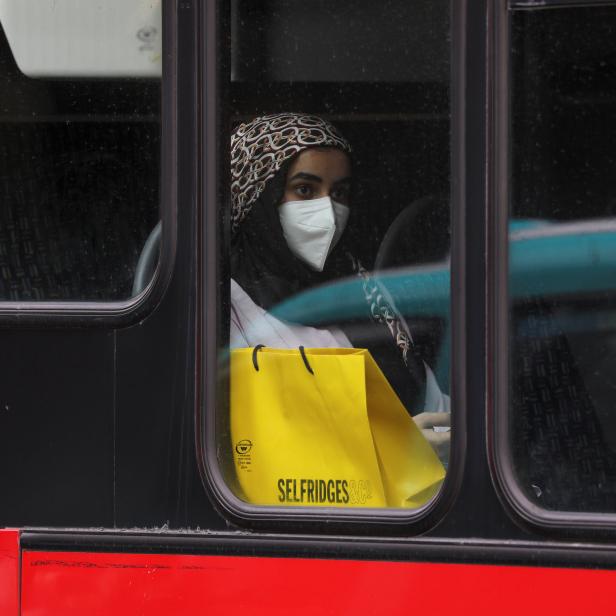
[479, 136]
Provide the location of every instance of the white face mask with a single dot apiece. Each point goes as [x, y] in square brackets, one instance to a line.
[312, 228]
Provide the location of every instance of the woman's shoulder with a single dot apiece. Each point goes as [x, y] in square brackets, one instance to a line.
[242, 302]
[257, 326]
[237, 293]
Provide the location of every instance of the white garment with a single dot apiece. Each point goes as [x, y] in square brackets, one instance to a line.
[252, 325]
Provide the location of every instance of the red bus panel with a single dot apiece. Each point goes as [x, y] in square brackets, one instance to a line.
[73, 584]
[9, 572]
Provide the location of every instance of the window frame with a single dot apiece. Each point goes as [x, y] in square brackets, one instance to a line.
[122, 313]
[499, 434]
[212, 265]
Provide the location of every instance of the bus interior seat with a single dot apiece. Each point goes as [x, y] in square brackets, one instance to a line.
[559, 450]
[74, 216]
[419, 234]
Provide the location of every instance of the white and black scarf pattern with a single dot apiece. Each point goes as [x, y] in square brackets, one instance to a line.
[383, 311]
[260, 147]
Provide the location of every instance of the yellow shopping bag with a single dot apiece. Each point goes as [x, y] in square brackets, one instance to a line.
[323, 427]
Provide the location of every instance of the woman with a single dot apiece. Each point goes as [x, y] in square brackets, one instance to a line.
[290, 192]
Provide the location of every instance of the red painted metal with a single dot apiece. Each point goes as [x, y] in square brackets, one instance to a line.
[9, 572]
[71, 584]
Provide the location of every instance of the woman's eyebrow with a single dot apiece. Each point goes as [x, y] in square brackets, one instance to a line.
[306, 176]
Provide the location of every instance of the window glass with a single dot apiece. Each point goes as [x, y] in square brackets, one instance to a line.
[335, 353]
[563, 257]
[79, 147]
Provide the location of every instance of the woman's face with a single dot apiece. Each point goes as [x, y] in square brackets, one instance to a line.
[317, 173]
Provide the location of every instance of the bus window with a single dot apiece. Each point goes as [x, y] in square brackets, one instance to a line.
[334, 367]
[562, 258]
[80, 130]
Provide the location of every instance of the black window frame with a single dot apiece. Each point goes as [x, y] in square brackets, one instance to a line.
[524, 510]
[123, 313]
[215, 63]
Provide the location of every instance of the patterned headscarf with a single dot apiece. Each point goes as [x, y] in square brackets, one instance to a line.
[260, 148]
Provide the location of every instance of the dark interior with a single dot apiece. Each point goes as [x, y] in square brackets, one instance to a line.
[79, 179]
[563, 102]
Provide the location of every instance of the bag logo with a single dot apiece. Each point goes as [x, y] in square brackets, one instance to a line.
[324, 492]
[244, 446]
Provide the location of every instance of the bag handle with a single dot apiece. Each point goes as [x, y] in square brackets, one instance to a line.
[257, 348]
[303, 354]
[254, 356]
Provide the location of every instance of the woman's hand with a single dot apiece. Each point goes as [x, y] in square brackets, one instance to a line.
[436, 427]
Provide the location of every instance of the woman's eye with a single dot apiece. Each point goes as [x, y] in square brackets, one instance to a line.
[340, 194]
[304, 190]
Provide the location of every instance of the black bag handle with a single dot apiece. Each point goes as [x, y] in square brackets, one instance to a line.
[257, 348]
[303, 354]
[254, 356]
